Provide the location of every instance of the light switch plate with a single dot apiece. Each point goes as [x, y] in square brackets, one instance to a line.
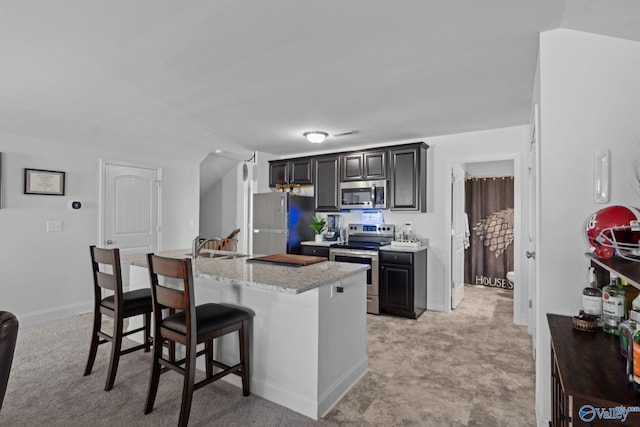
[54, 225]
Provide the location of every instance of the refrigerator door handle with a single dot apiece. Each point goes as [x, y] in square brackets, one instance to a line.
[269, 230]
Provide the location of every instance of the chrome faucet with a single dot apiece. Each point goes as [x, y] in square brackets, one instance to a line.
[196, 246]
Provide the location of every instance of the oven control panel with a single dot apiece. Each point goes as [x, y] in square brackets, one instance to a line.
[386, 230]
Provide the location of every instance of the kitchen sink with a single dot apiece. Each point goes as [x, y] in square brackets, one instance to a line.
[234, 256]
[214, 255]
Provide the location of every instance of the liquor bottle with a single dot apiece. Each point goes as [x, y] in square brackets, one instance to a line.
[636, 362]
[613, 305]
[634, 313]
[632, 294]
[627, 329]
[592, 297]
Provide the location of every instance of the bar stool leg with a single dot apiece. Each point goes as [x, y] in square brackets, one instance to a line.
[154, 379]
[116, 346]
[208, 345]
[93, 349]
[245, 356]
[147, 332]
[187, 388]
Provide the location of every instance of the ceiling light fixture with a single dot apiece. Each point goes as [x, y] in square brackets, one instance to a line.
[316, 136]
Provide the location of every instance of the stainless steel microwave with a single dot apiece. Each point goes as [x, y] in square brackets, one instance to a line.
[363, 194]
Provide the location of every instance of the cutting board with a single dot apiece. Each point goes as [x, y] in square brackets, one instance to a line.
[288, 259]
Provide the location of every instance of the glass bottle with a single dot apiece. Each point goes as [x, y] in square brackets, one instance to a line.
[627, 329]
[592, 297]
[613, 305]
[632, 294]
[636, 362]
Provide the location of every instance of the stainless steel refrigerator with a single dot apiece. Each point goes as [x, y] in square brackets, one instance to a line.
[280, 222]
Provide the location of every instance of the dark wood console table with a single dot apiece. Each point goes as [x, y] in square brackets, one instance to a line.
[587, 369]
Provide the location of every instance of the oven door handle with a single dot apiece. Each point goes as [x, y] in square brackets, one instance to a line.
[354, 253]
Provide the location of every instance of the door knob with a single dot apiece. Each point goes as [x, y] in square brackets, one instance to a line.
[109, 242]
[530, 254]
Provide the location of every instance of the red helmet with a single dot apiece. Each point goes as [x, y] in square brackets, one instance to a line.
[615, 230]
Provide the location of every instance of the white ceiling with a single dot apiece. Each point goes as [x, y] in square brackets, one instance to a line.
[243, 75]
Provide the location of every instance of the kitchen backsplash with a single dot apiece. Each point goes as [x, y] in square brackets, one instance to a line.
[418, 221]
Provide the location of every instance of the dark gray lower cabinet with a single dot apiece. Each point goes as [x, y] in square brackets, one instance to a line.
[315, 250]
[403, 283]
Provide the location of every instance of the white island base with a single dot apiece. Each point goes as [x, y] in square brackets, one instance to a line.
[308, 349]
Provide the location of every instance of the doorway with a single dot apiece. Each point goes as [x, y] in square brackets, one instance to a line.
[226, 184]
[489, 249]
[507, 164]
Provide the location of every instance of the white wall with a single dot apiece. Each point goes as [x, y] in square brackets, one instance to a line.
[498, 168]
[589, 87]
[219, 205]
[48, 275]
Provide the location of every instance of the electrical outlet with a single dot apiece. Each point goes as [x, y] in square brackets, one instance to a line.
[336, 290]
[54, 225]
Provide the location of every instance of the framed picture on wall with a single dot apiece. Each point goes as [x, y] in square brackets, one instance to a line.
[37, 181]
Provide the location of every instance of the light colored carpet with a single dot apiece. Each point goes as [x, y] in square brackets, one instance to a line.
[472, 367]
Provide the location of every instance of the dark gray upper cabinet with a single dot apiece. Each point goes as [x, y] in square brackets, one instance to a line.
[326, 183]
[408, 180]
[364, 165]
[278, 172]
[291, 171]
[403, 166]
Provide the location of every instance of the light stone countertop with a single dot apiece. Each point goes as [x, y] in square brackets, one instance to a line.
[280, 278]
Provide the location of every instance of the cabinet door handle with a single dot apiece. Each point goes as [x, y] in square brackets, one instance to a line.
[530, 254]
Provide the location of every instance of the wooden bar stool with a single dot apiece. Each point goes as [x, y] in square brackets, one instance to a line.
[119, 306]
[172, 288]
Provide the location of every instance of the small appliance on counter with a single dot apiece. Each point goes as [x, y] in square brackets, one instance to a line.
[405, 237]
[334, 226]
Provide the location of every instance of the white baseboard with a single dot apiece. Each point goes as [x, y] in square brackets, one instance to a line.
[336, 392]
[306, 405]
[54, 313]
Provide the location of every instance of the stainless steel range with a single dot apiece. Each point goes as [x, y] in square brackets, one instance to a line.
[361, 247]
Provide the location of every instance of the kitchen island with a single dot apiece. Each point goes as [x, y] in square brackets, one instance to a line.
[309, 341]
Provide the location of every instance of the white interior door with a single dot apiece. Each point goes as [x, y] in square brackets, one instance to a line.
[457, 235]
[534, 151]
[130, 208]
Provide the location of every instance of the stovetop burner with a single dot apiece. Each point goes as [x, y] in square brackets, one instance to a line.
[367, 237]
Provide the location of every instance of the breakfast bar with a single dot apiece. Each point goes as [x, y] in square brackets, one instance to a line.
[309, 341]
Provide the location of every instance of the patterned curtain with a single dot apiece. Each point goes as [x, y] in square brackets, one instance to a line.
[489, 207]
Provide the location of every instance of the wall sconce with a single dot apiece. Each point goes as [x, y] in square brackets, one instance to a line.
[601, 175]
[316, 136]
